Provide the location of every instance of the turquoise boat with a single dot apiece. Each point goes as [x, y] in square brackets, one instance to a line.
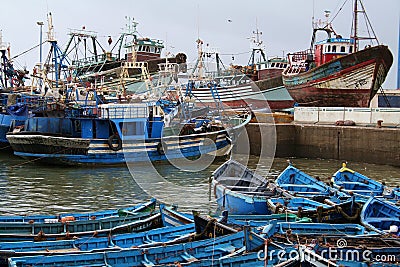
[381, 216]
[241, 191]
[154, 237]
[169, 254]
[148, 206]
[171, 216]
[352, 181]
[347, 211]
[300, 184]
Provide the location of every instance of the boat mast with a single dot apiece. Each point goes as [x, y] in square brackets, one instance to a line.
[355, 16]
[371, 33]
[256, 46]
[3, 50]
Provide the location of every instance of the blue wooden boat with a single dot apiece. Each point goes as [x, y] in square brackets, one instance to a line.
[348, 211]
[300, 184]
[351, 181]
[148, 206]
[41, 227]
[381, 216]
[112, 134]
[239, 190]
[14, 232]
[171, 217]
[154, 237]
[185, 252]
[259, 220]
[320, 228]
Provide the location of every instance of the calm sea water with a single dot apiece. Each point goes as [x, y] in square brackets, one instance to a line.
[32, 188]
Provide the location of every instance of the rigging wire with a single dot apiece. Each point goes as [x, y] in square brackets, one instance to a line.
[337, 13]
[235, 54]
[26, 51]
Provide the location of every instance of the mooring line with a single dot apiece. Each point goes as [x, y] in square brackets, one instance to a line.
[32, 160]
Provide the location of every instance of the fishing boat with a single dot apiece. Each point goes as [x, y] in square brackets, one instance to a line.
[148, 206]
[299, 183]
[185, 252]
[171, 217]
[381, 216]
[348, 181]
[347, 211]
[153, 237]
[335, 72]
[237, 87]
[112, 134]
[15, 232]
[352, 181]
[102, 223]
[239, 190]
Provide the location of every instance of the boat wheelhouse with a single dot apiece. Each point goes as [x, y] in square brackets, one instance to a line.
[145, 49]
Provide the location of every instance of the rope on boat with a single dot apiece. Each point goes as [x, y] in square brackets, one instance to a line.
[213, 249]
[36, 159]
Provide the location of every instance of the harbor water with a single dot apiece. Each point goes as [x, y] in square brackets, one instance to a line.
[27, 187]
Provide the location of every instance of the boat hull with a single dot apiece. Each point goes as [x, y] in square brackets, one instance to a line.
[350, 81]
[80, 151]
[241, 191]
[240, 204]
[379, 215]
[261, 95]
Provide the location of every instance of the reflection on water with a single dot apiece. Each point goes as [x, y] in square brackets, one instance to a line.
[27, 188]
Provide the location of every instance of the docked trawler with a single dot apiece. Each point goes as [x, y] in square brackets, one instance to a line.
[256, 86]
[335, 72]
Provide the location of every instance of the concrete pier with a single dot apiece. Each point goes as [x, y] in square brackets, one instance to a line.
[368, 144]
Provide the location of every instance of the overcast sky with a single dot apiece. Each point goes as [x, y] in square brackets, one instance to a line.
[226, 25]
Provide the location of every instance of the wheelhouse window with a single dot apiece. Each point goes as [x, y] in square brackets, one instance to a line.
[343, 49]
[350, 49]
[333, 48]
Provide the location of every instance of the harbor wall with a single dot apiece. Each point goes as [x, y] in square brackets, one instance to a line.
[351, 143]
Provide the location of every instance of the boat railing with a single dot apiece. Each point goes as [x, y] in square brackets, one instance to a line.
[94, 60]
[121, 111]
